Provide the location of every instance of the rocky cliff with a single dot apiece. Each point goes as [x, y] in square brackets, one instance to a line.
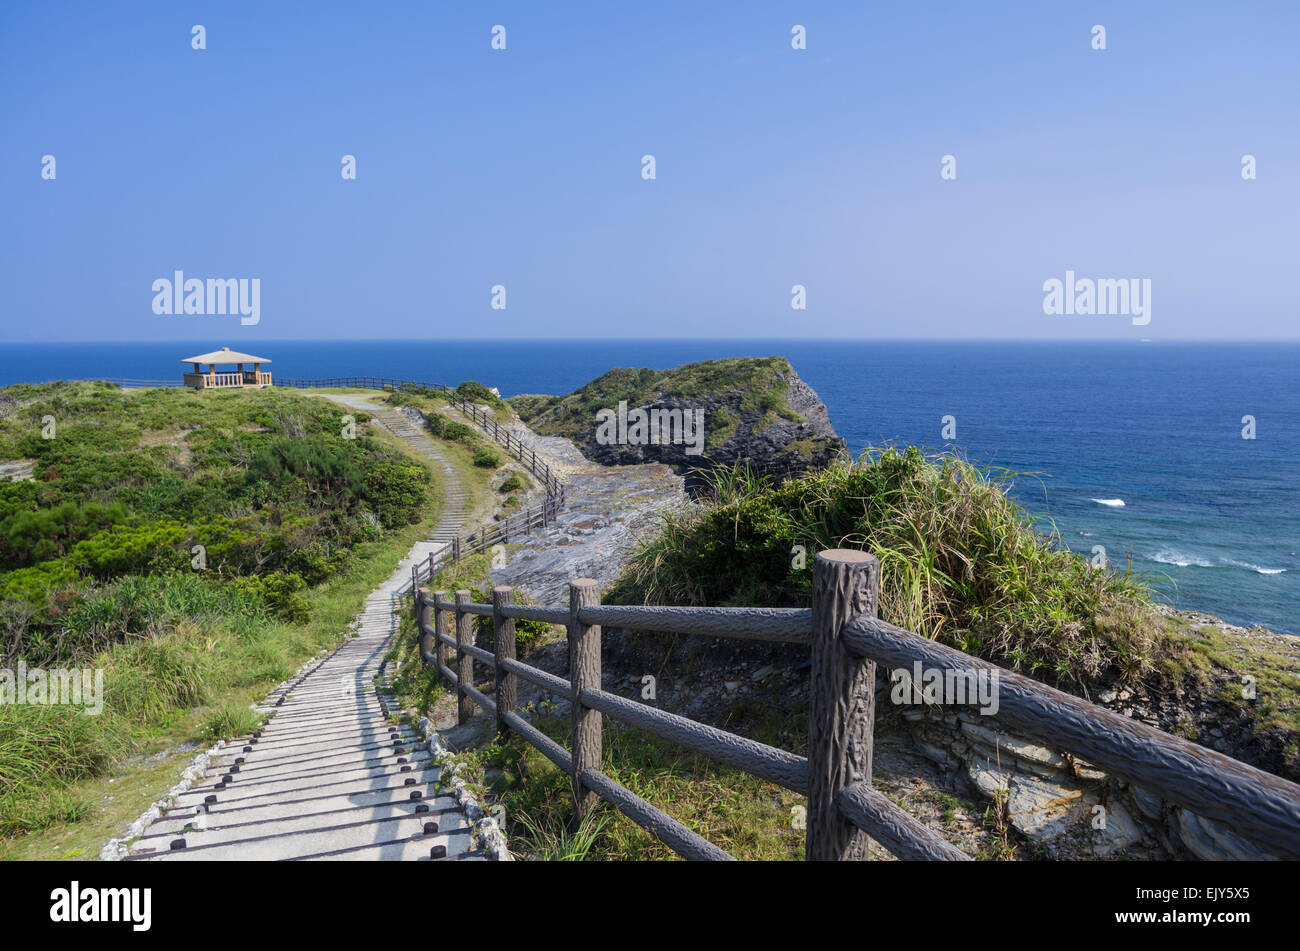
[693, 418]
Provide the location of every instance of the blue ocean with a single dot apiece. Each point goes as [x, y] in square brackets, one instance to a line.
[1210, 517]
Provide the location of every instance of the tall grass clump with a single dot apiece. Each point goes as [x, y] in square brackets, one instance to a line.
[961, 561]
[44, 749]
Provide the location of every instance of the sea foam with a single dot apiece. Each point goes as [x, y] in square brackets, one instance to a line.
[1170, 556]
[1263, 571]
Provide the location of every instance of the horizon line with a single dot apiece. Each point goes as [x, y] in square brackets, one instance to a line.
[738, 339]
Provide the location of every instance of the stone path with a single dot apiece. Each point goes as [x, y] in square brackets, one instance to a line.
[332, 775]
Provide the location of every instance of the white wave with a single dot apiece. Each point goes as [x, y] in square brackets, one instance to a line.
[1113, 503]
[1263, 571]
[1170, 556]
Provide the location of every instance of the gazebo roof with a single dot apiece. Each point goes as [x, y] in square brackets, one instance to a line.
[225, 355]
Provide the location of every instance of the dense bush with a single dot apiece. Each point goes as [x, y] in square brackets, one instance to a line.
[223, 484]
[450, 430]
[279, 592]
[476, 392]
[31, 536]
[326, 467]
[486, 458]
[960, 561]
[397, 492]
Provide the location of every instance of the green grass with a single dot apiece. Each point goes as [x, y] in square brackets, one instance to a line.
[747, 817]
[184, 654]
[265, 490]
[192, 681]
[762, 382]
[961, 562]
[515, 482]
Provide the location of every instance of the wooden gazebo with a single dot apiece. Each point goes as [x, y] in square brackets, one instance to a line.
[226, 378]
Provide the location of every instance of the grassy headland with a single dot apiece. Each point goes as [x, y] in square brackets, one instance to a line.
[197, 547]
[753, 407]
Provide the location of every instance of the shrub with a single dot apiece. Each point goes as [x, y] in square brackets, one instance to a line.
[476, 392]
[515, 482]
[28, 537]
[459, 432]
[279, 592]
[486, 458]
[960, 561]
[325, 466]
[443, 428]
[396, 492]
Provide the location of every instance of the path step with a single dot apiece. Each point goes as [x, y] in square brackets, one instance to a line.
[331, 775]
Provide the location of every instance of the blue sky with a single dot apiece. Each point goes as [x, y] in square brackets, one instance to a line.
[522, 168]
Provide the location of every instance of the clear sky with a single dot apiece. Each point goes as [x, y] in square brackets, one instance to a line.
[477, 167]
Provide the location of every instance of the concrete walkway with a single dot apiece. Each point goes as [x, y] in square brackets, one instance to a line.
[333, 775]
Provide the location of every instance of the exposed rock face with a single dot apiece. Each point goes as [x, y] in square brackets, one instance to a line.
[751, 410]
[1070, 808]
[18, 471]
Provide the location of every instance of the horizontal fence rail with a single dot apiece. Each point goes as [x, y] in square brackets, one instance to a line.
[482, 539]
[846, 640]
[361, 383]
[1257, 804]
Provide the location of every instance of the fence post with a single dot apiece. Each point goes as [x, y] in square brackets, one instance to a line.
[464, 662]
[503, 644]
[440, 618]
[422, 610]
[584, 673]
[842, 698]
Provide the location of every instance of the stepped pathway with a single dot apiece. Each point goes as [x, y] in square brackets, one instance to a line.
[332, 775]
[406, 424]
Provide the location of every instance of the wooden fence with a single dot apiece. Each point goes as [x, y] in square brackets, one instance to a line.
[483, 538]
[360, 383]
[846, 641]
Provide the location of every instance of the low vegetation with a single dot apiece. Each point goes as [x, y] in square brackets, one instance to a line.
[233, 486]
[194, 546]
[515, 482]
[762, 380]
[748, 817]
[960, 562]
